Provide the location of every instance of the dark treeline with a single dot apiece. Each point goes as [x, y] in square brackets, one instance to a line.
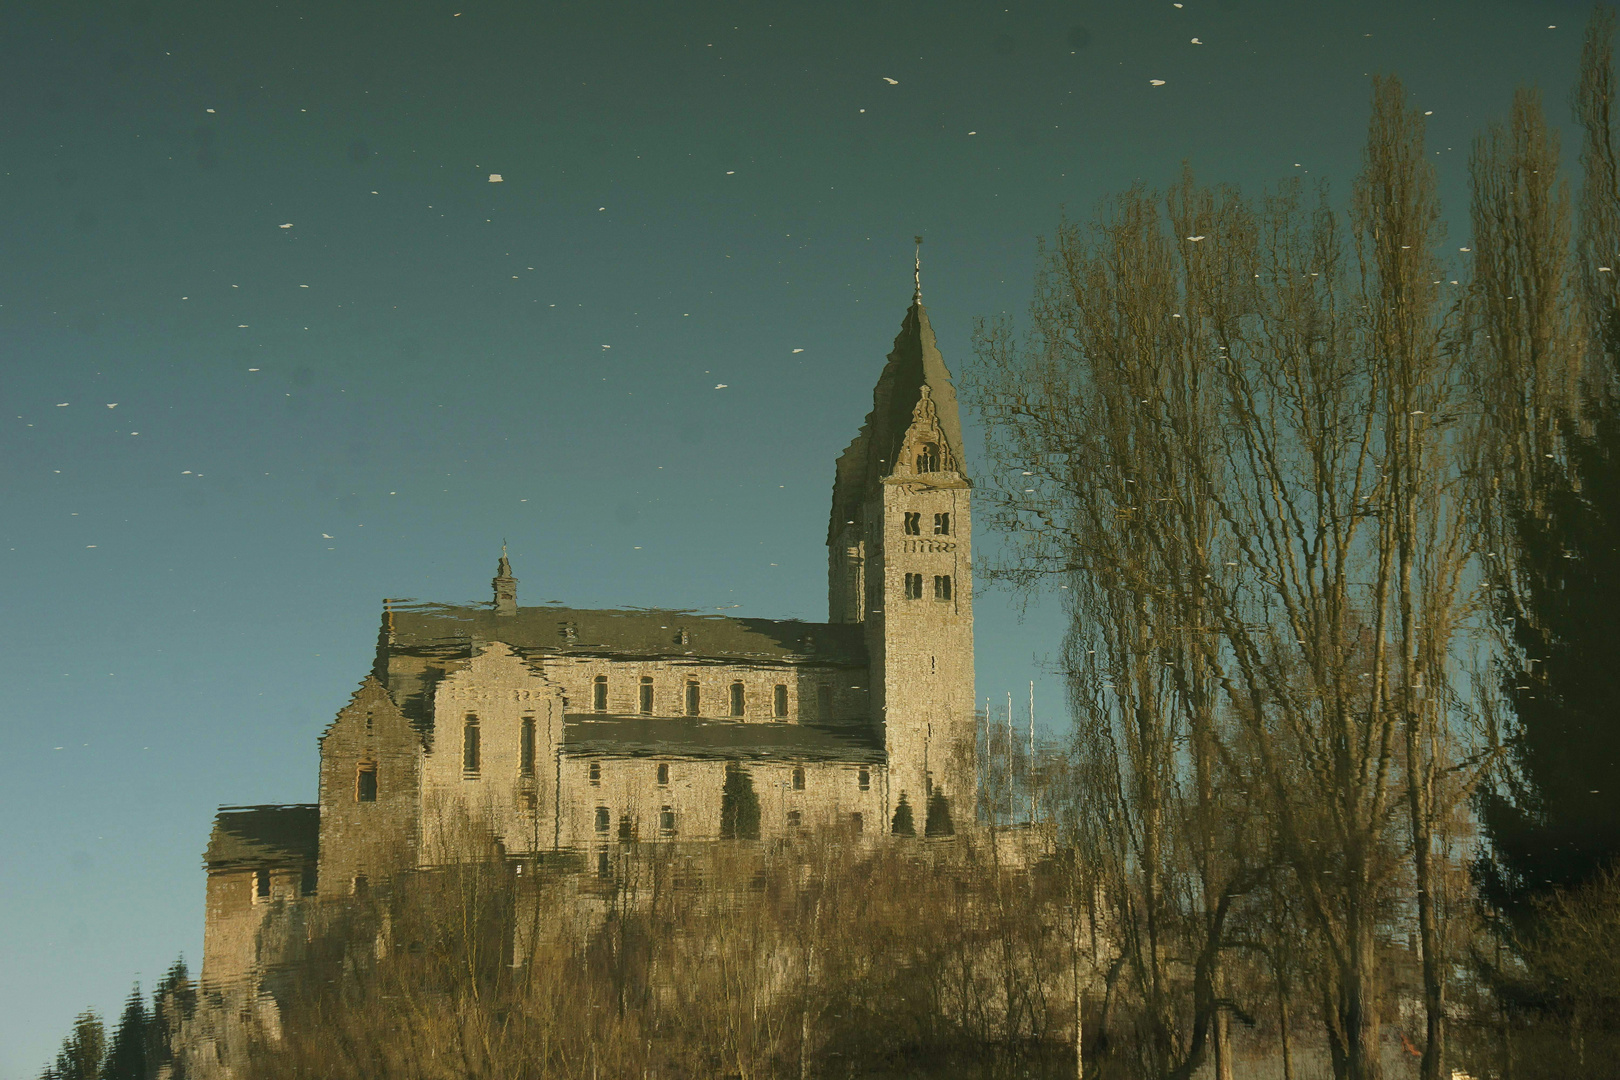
[1333, 506]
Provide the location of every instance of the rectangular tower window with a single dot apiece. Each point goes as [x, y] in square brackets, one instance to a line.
[526, 747]
[856, 822]
[928, 457]
[913, 524]
[914, 586]
[736, 699]
[599, 694]
[692, 698]
[595, 772]
[666, 820]
[663, 772]
[603, 819]
[469, 748]
[604, 868]
[798, 778]
[824, 706]
[942, 586]
[261, 885]
[794, 819]
[365, 783]
[646, 694]
[864, 779]
[781, 700]
[942, 524]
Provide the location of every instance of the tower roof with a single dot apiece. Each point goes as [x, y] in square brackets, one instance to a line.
[913, 364]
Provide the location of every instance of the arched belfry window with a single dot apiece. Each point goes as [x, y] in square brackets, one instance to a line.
[469, 747]
[928, 457]
[737, 699]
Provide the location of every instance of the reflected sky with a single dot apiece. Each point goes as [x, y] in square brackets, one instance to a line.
[277, 344]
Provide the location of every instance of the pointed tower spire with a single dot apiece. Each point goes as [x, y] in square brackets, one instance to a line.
[916, 295]
[505, 585]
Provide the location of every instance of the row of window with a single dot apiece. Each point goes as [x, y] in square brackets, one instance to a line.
[472, 747]
[913, 524]
[915, 584]
[863, 777]
[693, 700]
[604, 820]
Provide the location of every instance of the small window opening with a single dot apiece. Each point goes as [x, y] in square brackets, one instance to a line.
[798, 778]
[603, 819]
[307, 881]
[913, 524]
[824, 704]
[781, 701]
[595, 772]
[604, 868]
[469, 747]
[942, 586]
[928, 458]
[365, 783]
[663, 772]
[942, 524]
[666, 820]
[261, 884]
[914, 586]
[864, 779]
[360, 886]
[646, 694]
[531, 801]
[737, 699]
[856, 822]
[526, 747]
[692, 698]
[794, 818]
[627, 829]
[599, 694]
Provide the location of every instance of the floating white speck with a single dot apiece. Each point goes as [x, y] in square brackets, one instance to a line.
[1604, 270]
[241, 326]
[326, 536]
[185, 472]
[1195, 239]
[62, 404]
[112, 404]
[1429, 112]
[731, 172]
[1155, 82]
[253, 369]
[208, 110]
[607, 346]
[601, 208]
[92, 545]
[1195, 41]
[798, 350]
[303, 286]
[286, 226]
[720, 385]
[1465, 249]
[891, 82]
[495, 178]
[973, 133]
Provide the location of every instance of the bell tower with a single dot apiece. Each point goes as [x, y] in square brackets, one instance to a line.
[899, 562]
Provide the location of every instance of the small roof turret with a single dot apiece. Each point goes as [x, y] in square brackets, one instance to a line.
[505, 586]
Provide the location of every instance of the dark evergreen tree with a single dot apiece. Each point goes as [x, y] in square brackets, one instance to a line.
[173, 1002]
[903, 823]
[1555, 822]
[82, 1051]
[739, 805]
[126, 1057]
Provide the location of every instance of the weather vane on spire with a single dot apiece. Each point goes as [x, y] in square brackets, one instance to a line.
[916, 296]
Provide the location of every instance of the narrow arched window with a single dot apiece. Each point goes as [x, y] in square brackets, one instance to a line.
[469, 748]
[863, 779]
[942, 587]
[603, 819]
[646, 694]
[666, 820]
[914, 586]
[692, 698]
[781, 701]
[942, 524]
[928, 457]
[737, 697]
[595, 772]
[526, 747]
[599, 694]
[663, 772]
[798, 778]
[912, 524]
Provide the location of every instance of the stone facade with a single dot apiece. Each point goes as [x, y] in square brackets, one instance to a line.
[543, 730]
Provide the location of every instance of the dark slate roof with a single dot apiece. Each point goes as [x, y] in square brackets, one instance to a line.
[420, 643]
[254, 836]
[915, 362]
[594, 735]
